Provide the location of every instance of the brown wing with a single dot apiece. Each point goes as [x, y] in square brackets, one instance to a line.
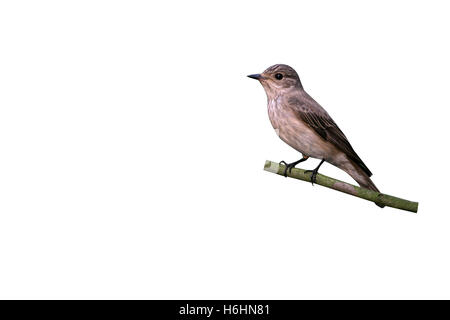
[308, 110]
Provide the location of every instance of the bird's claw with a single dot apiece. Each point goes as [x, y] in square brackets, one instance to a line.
[289, 167]
[313, 175]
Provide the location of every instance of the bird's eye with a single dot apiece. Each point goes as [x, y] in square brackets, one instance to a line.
[279, 76]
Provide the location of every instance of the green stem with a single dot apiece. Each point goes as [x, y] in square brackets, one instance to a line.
[363, 193]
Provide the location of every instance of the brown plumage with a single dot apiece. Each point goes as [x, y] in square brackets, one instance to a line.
[304, 125]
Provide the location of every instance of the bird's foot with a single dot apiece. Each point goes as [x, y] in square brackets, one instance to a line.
[313, 175]
[314, 172]
[288, 167]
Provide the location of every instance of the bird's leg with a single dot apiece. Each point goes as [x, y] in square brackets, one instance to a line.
[289, 166]
[314, 172]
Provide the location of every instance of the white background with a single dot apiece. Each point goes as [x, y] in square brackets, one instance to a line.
[133, 144]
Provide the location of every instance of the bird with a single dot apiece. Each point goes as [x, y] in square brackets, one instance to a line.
[307, 127]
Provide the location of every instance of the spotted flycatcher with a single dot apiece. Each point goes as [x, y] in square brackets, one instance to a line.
[304, 125]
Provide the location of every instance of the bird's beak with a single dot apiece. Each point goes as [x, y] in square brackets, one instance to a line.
[255, 76]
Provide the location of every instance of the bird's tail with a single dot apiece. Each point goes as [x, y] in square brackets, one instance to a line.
[363, 180]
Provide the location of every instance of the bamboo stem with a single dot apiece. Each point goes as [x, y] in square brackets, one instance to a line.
[363, 193]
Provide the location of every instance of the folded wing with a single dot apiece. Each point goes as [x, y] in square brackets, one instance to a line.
[308, 110]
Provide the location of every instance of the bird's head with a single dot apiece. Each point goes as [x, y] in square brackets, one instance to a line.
[278, 78]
